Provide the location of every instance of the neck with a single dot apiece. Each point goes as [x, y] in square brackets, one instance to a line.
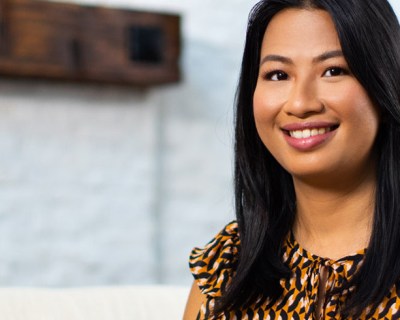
[334, 220]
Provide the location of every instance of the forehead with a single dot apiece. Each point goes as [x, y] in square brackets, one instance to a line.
[301, 30]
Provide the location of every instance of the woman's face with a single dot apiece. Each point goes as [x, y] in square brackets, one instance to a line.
[310, 111]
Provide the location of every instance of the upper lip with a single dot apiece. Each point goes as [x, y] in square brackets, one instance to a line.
[308, 125]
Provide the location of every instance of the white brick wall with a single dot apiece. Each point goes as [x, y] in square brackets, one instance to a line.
[107, 185]
[76, 184]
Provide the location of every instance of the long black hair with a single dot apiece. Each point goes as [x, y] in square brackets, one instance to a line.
[265, 201]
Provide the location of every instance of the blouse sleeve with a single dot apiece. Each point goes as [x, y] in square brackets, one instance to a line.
[213, 266]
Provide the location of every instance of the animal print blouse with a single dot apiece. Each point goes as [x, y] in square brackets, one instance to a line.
[212, 268]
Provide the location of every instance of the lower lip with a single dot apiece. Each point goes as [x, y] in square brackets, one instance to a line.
[310, 143]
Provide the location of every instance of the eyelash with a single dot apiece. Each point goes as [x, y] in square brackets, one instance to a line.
[269, 74]
[343, 71]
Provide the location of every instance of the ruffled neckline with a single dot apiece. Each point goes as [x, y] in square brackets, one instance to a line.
[295, 256]
[292, 244]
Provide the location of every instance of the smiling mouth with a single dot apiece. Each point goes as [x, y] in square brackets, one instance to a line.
[309, 132]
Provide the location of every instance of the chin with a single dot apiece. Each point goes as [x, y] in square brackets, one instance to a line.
[314, 174]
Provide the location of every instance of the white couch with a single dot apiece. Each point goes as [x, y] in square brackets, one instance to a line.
[96, 303]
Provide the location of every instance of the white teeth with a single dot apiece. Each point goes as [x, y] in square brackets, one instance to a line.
[306, 133]
[296, 134]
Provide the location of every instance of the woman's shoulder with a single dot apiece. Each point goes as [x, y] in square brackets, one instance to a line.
[214, 264]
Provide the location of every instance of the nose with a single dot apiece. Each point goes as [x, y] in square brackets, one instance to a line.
[303, 99]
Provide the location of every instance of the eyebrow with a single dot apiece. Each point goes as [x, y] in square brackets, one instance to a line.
[328, 55]
[322, 57]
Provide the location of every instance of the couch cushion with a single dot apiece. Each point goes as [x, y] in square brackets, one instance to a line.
[98, 303]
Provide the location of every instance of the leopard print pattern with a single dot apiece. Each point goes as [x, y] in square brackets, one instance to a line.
[213, 267]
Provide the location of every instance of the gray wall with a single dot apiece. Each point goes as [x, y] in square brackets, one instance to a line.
[106, 185]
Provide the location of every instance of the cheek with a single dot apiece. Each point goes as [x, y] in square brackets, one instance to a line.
[266, 110]
[265, 107]
[259, 110]
[362, 111]
[353, 103]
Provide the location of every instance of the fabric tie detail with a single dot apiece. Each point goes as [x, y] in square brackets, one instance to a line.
[314, 273]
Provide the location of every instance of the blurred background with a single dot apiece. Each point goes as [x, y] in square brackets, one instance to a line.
[104, 184]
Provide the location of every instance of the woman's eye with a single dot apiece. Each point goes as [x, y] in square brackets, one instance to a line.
[276, 76]
[334, 72]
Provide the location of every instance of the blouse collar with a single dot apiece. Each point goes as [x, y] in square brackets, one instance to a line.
[297, 257]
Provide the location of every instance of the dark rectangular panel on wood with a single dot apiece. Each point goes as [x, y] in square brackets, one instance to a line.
[87, 43]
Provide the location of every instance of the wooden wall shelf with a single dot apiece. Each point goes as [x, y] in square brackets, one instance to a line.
[85, 43]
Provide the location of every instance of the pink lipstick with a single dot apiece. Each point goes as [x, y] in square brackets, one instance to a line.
[309, 135]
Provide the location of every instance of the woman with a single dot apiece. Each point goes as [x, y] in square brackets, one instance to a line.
[317, 170]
